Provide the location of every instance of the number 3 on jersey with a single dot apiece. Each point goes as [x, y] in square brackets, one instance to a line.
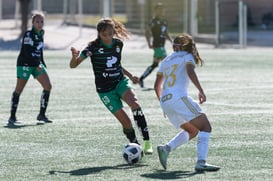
[169, 74]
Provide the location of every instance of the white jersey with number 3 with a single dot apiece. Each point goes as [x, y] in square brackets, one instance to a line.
[173, 68]
[175, 102]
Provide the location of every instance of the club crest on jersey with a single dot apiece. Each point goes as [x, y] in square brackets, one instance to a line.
[117, 49]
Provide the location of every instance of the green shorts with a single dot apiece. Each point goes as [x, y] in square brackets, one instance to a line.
[112, 99]
[160, 52]
[24, 72]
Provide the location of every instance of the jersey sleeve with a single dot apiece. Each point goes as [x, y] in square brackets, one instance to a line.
[189, 59]
[84, 53]
[160, 69]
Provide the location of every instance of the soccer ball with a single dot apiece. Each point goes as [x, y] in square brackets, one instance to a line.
[132, 153]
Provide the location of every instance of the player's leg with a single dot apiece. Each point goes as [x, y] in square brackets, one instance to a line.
[113, 103]
[159, 55]
[148, 71]
[188, 132]
[203, 124]
[130, 98]
[44, 80]
[23, 74]
[125, 121]
[20, 84]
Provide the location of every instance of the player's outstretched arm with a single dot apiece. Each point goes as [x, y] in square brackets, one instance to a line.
[76, 59]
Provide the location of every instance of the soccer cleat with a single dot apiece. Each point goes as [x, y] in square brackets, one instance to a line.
[141, 83]
[43, 118]
[12, 120]
[163, 154]
[148, 149]
[203, 166]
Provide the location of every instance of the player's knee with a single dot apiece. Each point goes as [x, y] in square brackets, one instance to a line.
[193, 133]
[48, 87]
[154, 65]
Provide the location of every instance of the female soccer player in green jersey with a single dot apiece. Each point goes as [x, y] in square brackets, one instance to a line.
[111, 84]
[31, 62]
[158, 32]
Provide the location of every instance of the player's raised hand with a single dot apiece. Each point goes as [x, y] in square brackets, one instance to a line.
[75, 52]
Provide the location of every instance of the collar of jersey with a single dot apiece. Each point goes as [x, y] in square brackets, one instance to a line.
[108, 46]
[39, 33]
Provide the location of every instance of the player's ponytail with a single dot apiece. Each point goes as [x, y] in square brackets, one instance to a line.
[185, 42]
[119, 29]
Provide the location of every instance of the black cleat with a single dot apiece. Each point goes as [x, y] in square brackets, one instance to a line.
[43, 118]
[141, 83]
[12, 120]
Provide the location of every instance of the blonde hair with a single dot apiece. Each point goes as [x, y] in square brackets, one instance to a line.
[159, 5]
[119, 29]
[37, 14]
[186, 43]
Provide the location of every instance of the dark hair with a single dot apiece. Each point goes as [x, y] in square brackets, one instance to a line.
[185, 42]
[119, 29]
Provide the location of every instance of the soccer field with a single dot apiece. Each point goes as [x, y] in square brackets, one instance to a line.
[85, 141]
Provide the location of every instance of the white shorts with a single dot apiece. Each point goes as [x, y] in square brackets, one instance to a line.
[181, 110]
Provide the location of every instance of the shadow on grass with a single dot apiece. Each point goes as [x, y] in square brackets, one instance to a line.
[170, 175]
[18, 126]
[94, 170]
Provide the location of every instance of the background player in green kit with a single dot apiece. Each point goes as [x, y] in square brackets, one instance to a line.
[111, 84]
[158, 31]
[30, 62]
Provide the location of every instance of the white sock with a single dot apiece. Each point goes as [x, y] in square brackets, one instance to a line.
[180, 139]
[203, 145]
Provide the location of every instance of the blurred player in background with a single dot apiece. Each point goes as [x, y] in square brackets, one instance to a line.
[31, 62]
[111, 84]
[158, 32]
[172, 81]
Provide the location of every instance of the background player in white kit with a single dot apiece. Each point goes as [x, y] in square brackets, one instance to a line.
[172, 81]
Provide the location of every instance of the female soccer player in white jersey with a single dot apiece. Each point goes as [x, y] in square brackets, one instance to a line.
[172, 81]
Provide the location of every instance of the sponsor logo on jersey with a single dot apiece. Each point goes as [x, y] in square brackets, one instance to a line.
[111, 60]
[100, 50]
[28, 41]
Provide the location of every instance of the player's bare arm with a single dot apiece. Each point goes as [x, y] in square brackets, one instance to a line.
[169, 37]
[157, 85]
[148, 36]
[134, 79]
[76, 59]
[193, 77]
